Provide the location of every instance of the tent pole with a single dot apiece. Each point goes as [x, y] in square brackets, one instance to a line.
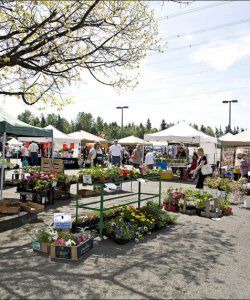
[2, 167]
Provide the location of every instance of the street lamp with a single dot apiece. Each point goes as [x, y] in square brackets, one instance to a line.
[121, 107]
[230, 101]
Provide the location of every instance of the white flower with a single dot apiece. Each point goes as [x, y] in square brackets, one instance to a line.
[70, 243]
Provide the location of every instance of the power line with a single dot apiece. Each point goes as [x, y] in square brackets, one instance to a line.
[206, 71]
[208, 42]
[207, 29]
[191, 11]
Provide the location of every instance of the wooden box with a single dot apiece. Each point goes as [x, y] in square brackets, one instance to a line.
[31, 207]
[58, 166]
[46, 165]
[9, 207]
[71, 252]
[41, 247]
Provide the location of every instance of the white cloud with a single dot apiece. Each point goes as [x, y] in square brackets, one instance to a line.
[224, 54]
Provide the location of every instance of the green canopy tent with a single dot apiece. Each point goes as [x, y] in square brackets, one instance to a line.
[14, 127]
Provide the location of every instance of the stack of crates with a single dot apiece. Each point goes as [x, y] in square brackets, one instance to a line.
[46, 165]
[58, 166]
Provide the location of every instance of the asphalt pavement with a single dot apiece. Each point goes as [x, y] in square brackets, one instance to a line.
[197, 258]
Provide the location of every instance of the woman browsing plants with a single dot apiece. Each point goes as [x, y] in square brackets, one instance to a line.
[202, 160]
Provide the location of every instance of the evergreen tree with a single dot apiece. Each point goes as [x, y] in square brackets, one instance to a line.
[163, 125]
[148, 125]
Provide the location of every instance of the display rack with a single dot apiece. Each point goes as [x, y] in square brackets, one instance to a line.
[102, 201]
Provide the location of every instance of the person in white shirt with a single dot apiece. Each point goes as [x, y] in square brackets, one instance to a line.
[33, 149]
[149, 159]
[91, 156]
[115, 154]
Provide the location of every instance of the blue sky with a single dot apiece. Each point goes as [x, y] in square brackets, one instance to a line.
[207, 61]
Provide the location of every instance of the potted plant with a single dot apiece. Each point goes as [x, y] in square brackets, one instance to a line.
[43, 237]
[119, 230]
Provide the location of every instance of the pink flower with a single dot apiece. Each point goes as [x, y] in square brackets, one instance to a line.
[60, 242]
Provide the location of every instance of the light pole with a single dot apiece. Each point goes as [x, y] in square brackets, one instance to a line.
[230, 101]
[121, 107]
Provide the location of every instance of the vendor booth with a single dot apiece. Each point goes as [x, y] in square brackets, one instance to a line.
[10, 126]
[86, 137]
[231, 147]
[64, 146]
[187, 135]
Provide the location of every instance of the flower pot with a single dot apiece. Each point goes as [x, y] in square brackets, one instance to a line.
[169, 207]
[227, 211]
[198, 211]
[236, 198]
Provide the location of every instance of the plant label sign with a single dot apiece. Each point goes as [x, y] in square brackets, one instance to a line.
[87, 179]
[62, 220]
[141, 180]
[111, 186]
[54, 183]
[223, 194]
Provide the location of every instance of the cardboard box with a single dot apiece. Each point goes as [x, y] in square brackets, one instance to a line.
[87, 193]
[71, 252]
[41, 247]
[167, 175]
[33, 208]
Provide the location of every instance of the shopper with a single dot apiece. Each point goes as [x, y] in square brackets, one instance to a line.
[91, 156]
[24, 156]
[137, 156]
[193, 163]
[99, 155]
[202, 160]
[115, 154]
[149, 159]
[33, 149]
[244, 166]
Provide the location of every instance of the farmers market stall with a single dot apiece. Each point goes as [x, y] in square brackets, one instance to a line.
[14, 127]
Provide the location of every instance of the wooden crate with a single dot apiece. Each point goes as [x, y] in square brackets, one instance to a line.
[46, 165]
[58, 166]
[9, 206]
[31, 207]
[87, 193]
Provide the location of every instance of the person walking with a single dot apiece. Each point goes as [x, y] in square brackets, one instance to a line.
[244, 166]
[137, 156]
[33, 149]
[149, 159]
[193, 163]
[99, 155]
[91, 156]
[202, 160]
[115, 154]
[24, 156]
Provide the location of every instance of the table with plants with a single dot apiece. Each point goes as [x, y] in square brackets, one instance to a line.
[43, 188]
[100, 177]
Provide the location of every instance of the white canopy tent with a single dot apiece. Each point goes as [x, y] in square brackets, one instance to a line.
[226, 137]
[186, 134]
[181, 132]
[241, 139]
[14, 142]
[133, 140]
[86, 136]
[59, 138]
